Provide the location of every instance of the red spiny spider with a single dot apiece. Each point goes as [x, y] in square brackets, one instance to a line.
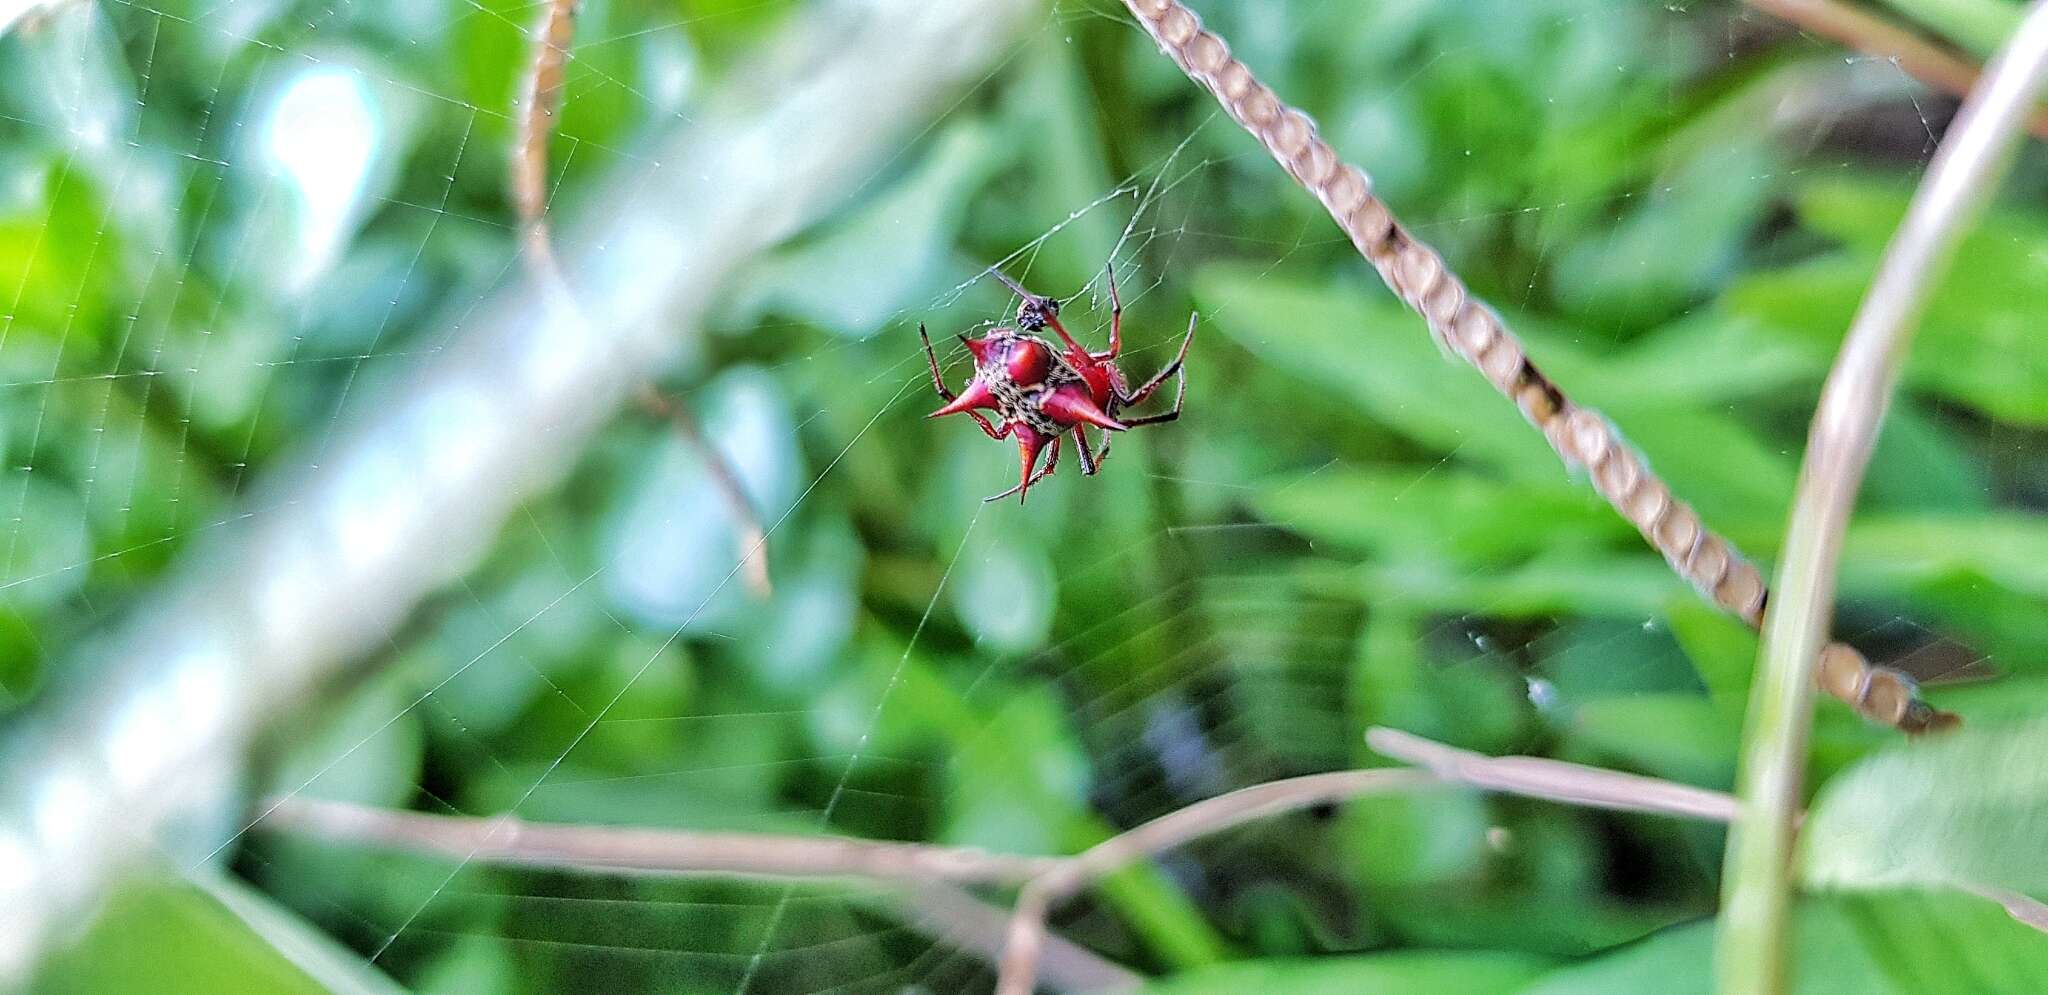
[1039, 393]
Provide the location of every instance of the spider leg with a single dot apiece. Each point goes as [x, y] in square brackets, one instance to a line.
[939, 384]
[993, 432]
[1027, 448]
[932, 358]
[1178, 366]
[1089, 464]
[1116, 320]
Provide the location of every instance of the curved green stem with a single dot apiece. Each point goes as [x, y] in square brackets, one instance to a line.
[1750, 955]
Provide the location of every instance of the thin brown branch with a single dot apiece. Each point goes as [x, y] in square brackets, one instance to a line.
[1555, 780]
[611, 849]
[753, 540]
[1533, 777]
[948, 913]
[935, 903]
[1466, 327]
[541, 96]
[1874, 36]
[1019, 967]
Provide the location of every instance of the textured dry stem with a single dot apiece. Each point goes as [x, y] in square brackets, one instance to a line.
[1468, 328]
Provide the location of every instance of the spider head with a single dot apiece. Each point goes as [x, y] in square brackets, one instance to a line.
[1033, 311]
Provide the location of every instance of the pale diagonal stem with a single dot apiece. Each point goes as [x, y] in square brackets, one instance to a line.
[511, 841]
[1469, 329]
[1959, 181]
[141, 751]
[1554, 780]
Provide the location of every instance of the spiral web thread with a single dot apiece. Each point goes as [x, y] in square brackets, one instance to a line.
[1466, 326]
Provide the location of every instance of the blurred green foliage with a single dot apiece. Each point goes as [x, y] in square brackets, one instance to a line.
[1344, 529]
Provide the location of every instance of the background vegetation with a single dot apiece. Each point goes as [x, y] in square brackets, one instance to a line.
[1676, 205]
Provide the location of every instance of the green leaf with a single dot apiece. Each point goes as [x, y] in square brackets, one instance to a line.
[367, 751]
[1713, 462]
[1966, 810]
[1050, 119]
[337, 968]
[1002, 591]
[1454, 513]
[1921, 465]
[2008, 549]
[1361, 346]
[1563, 584]
[166, 937]
[1700, 360]
[1425, 838]
[1479, 703]
[859, 274]
[1978, 341]
[1982, 26]
[1722, 650]
[1900, 943]
[1016, 786]
[1473, 972]
[1678, 241]
[1678, 737]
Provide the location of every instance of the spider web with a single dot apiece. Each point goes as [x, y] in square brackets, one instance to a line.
[229, 222]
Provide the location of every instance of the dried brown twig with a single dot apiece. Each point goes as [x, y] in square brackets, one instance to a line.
[631, 850]
[1533, 777]
[936, 870]
[949, 913]
[935, 874]
[932, 901]
[1019, 967]
[541, 96]
[1554, 780]
[753, 542]
[1874, 36]
[1466, 327]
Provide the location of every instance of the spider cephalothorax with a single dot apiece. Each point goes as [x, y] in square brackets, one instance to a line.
[1040, 392]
